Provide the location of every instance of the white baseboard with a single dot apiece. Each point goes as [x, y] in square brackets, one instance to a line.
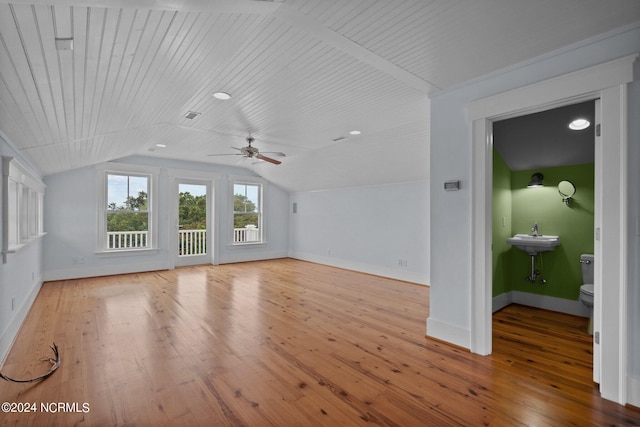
[574, 307]
[103, 270]
[501, 301]
[633, 391]
[392, 273]
[9, 335]
[239, 256]
[449, 333]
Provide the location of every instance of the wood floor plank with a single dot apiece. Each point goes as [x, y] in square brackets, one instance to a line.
[286, 342]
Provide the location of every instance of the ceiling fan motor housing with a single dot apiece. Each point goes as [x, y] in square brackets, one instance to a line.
[249, 151]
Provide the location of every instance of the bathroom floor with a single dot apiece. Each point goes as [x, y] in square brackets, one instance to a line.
[552, 349]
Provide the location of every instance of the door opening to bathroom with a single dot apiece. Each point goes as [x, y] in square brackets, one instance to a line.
[545, 146]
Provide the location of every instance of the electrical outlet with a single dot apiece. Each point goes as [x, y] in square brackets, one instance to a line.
[13, 303]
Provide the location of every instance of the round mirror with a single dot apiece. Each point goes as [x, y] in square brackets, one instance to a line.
[566, 189]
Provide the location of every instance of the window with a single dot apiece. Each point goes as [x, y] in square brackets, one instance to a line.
[247, 213]
[23, 208]
[127, 219]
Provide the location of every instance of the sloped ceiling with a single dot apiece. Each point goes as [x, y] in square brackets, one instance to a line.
[302, 74]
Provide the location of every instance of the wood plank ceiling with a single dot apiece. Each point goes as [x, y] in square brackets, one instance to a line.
[302, 74]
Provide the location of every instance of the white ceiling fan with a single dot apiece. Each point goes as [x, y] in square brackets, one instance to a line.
[252, 152]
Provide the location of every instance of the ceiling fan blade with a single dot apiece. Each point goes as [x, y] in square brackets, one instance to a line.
[233, 154]
[268, 159]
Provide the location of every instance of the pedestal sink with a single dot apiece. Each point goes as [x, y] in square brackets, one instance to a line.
[534, 244]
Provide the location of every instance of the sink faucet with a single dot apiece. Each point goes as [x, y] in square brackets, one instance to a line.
[534, 229]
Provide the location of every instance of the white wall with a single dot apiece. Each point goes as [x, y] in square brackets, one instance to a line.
[451, 156]
[70, 220]
[20, 277]
[369, 229]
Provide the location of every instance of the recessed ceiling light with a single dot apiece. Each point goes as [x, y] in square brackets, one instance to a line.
[222, 95]
[161, 145]
[355, 132]
[579, 124]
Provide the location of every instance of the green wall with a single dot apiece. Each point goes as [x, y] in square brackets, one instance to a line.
[501, 222]
[525, 206]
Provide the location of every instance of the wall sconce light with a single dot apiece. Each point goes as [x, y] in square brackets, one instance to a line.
[566, 190]
[536, 180]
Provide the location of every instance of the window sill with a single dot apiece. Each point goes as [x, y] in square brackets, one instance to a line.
[25, 244]
[126, 252]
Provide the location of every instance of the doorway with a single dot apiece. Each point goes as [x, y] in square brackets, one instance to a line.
[544, 145]
[608, 82]
[193, 240]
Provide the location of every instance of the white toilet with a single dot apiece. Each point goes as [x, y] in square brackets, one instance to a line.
[586, 290]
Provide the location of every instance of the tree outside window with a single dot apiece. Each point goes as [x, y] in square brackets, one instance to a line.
[247, 213]
[127, 211]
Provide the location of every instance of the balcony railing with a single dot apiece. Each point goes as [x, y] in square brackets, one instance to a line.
[190, 242]
[126, 239]
[246, 234]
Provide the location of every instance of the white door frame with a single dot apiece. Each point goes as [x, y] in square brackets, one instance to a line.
[607, 82]
[176, 177]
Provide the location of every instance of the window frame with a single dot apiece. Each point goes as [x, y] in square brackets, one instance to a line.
[22, 207]
[152, 173]
[261, 184]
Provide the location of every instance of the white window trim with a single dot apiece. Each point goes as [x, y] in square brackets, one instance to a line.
[101, 201]
[28, 207]
[240, 179]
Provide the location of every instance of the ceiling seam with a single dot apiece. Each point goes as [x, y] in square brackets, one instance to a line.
[350, 47]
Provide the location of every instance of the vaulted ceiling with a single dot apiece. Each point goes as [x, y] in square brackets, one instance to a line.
[302, 75]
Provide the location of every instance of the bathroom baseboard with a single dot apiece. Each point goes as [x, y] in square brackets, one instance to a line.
[546, 302]
[501, 301]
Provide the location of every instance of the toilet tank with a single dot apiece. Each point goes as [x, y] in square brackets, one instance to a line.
[586, 262]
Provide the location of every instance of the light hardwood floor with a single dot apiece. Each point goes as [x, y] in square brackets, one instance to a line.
[290, 343]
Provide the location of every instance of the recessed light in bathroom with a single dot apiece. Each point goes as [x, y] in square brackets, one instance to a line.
[579, 124]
